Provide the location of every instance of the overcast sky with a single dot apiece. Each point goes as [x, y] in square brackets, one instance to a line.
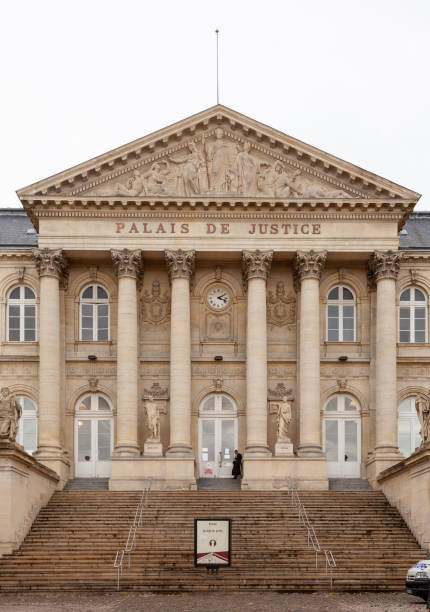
[82, 77]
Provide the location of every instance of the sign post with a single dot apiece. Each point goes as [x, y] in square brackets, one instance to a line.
[212, 542]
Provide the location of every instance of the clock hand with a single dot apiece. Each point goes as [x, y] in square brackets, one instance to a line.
[222, 297]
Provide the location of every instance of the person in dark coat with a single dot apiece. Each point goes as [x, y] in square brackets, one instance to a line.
[237, 464]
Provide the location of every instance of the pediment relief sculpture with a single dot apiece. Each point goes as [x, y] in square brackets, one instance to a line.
[219, 165]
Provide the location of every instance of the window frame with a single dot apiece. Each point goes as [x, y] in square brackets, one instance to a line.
[411, 304]
[26, 417]
[340, 302]
[410, 417]
[95, 303]
[21, 302]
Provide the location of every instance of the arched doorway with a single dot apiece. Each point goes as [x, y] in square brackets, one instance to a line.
[342, 436]
[93, 436]
[217, 436]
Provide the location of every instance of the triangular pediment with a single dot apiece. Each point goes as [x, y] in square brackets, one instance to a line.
[216, 153]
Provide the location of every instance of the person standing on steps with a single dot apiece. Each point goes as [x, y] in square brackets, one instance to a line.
[237, 464]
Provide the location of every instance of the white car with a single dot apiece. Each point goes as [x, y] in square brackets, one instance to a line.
[418, 579]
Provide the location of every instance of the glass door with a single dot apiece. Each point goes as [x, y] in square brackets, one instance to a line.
[93, 437]
[217, 437]
[342, 437]
[94, 442]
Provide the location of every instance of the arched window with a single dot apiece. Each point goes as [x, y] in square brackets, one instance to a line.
[27, 430]
[21, 315]
[408, 426]
[94, 313]
[412, 316]
[340, 315]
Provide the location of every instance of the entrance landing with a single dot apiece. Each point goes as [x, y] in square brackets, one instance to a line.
[218, 484]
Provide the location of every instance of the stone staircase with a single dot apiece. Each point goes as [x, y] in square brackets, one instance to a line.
[87, 484]
[73, 541]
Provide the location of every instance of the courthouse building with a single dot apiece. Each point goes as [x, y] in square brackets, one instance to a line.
[163, 303]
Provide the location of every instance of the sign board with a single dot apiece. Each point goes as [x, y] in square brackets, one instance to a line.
[212, 542]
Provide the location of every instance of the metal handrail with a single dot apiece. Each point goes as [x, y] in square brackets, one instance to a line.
[131, 538]
[312, 537]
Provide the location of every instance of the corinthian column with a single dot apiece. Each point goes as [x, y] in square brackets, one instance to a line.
[383, 270]
[180, 266]
[52, 267]
[308, 266]
[128, 267]
[256, 268]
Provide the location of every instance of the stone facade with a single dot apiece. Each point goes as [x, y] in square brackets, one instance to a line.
[217, 241]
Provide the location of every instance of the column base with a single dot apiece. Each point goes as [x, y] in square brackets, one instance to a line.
[180, 450]
[123, 449]
[310, 449]
[55, 459]
[383, 457]
[257, 451]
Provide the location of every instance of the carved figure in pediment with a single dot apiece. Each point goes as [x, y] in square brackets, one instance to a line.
[422, 406]
[274, 181]
[155, 307]
[219, 157]
[10, 413]
[153, 418]
[192, 173]
[135, 186]
[307, 188]
[281, 308]
[156, 182]
[246, 169]
[283, 418]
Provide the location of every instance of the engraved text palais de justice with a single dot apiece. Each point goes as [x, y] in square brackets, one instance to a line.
[216, 229]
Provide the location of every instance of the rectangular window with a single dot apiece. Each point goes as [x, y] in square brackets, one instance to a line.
[332, 323]
[29, 323]
[102, 322]
[404, 324]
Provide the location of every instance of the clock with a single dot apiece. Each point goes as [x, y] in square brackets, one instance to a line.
[218, 298]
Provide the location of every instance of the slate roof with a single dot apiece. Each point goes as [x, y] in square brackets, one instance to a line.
[15, 226]
[415, 234]
[14, 229]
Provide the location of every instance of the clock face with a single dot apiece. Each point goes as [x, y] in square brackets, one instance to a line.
[218, 298]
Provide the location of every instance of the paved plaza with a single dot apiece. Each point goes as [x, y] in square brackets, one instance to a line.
[202, 602]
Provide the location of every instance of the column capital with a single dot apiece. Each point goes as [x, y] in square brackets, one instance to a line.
[256, 264]
[127, 263]
[51, 262]
[180, 264]
[308, 264]
[384, 264]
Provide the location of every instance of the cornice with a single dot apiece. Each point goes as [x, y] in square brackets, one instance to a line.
[114, 207]
[9, 253]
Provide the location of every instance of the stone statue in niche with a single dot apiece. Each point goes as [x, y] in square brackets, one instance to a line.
[155, 306]
[153, 419]
[422, 406]
[281, 308]
[283, 419]
[10, 413]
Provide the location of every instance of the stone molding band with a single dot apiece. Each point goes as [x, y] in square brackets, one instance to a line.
[180, 264]
[384, 264]
[256, 264]
[127, 263]
[51, 262]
